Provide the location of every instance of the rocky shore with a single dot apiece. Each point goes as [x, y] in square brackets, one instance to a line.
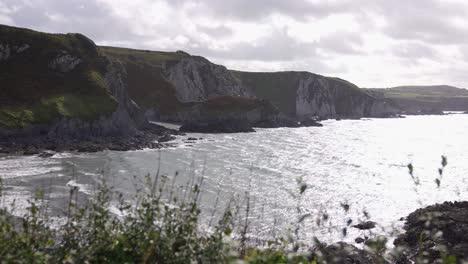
[152, 137]
[434, 234]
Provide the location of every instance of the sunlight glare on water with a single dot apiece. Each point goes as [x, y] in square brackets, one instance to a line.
[362, 163]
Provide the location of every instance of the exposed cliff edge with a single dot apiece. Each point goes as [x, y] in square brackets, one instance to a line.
[60, 87]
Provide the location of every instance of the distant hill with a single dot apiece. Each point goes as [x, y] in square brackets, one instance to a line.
[432, 98]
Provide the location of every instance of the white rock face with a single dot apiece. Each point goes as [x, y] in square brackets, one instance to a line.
[64, 62]
[5, 52]
[196, 79]
[313, 97]
[22, 48]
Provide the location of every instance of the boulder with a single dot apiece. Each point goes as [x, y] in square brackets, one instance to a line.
[47, 154]
[310, 123]
[365, 225]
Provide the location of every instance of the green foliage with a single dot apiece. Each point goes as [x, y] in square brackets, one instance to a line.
[33, 93]
[46, 110]
[160, 227]
[143, 57]
[152, 231]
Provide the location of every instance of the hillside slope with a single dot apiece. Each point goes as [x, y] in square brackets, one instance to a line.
[425, 99]
[60, 85]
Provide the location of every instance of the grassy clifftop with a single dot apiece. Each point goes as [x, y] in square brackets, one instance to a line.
[47, 76]
[425, 98]
[145, 76]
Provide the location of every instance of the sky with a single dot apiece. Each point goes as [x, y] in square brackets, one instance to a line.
[372, 43]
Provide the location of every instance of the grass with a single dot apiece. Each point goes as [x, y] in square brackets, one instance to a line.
[143, 57]
[86, 108]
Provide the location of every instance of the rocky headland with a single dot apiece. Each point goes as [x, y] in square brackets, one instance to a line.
[62, 89]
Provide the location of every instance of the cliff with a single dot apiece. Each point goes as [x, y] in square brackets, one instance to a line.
[176, 86]
[304, 94]
[63, 85]
[60, 85]
[424, 99]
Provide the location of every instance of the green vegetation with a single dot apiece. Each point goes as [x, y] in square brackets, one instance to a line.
[143, 57]
[47, 110]
[33, 93]
[147, 84]
[423, 92]
[425, 98]
[161, 225]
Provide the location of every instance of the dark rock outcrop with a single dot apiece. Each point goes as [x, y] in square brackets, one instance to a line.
[222, 126]
[310, 123]
[436, 232]
[365, 225]
[277, 121]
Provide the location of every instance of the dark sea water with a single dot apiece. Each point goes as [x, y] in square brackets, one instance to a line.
[361, 163]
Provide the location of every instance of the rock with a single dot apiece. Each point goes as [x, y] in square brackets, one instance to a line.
[277, 122]
[4, 52]
[192, 139]
[166, 138]
[224, 126]
[22, 48]
[436, 231]
[47, 154]
[365, 225]
[310, 123]
[30, 150]
[64, 62]
[197, 79]
[344, 253]
[359, 240]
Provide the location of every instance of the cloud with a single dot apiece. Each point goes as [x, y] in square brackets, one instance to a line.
[342, 43]
[215, 32]
[414, 50]
[277, 46]
[90, 17]
[260, 9]
[370, 42]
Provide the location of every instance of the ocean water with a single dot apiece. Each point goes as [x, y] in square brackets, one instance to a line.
[360, 163]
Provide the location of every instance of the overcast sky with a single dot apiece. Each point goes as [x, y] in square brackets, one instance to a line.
[373, 43]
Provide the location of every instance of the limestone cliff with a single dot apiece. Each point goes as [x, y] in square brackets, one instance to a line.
[197, 79]
[304, 94]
